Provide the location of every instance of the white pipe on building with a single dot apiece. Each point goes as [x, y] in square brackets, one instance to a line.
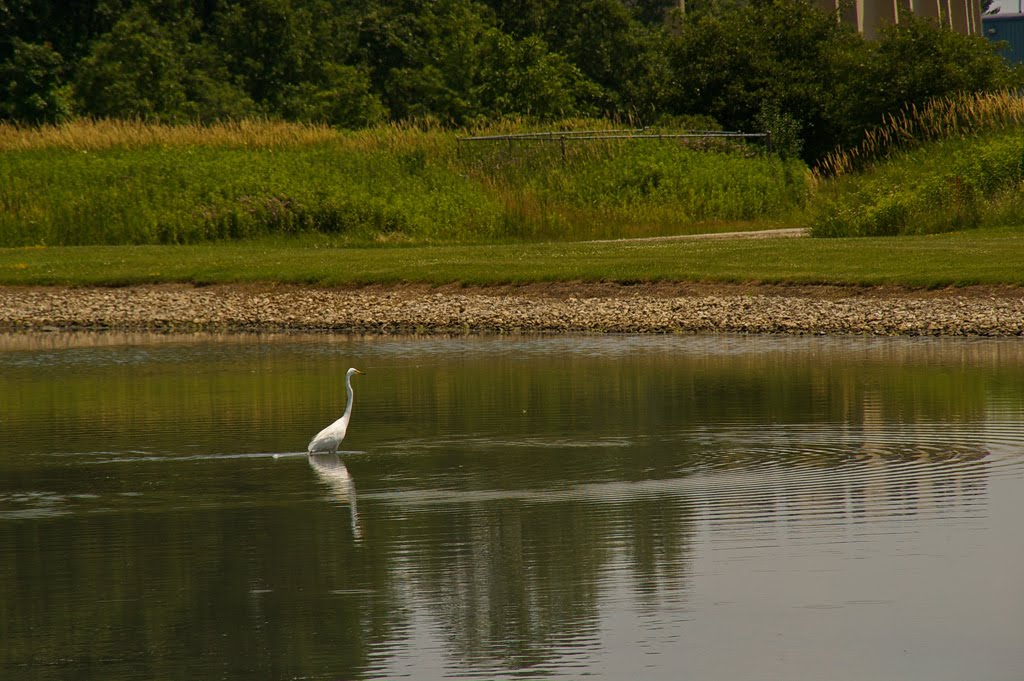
[963, 16]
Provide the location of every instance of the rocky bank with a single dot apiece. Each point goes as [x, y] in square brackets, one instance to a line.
[551, 308]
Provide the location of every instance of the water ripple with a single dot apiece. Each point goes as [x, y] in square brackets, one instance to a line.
[783, 472]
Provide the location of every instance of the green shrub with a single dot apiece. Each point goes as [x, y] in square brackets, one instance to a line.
[942, 186]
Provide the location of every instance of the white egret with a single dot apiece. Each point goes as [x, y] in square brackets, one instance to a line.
[328, 439]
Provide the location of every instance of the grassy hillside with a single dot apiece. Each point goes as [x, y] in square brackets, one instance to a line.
[133, 183]
[956, 164]
[123, 203]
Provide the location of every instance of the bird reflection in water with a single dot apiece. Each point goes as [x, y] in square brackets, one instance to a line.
[333, 473]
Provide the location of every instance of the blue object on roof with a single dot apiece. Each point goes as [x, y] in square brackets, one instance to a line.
[1009, 28]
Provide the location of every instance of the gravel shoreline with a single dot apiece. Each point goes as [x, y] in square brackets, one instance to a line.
[537, 308]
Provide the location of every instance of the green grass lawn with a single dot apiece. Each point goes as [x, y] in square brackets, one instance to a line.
[977, 257]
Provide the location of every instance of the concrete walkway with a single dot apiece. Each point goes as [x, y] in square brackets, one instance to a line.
[787, 233]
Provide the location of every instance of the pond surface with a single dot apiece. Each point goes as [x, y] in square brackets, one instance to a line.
[711, 507]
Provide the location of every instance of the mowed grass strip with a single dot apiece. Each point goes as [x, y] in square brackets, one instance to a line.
[989, 257]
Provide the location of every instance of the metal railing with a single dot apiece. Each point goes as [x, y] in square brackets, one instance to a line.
[567, 136]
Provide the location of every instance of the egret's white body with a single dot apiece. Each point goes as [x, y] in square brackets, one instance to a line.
[328, 439]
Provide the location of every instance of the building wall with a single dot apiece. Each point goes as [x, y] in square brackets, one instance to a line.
[963, 16]
[1008, 28]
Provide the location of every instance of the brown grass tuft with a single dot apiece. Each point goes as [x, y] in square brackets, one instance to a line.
[96, 134]
[942, 118]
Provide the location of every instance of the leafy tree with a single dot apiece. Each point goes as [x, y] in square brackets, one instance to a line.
[768, 60]
[422, 56]
[146, 69]
[916, 60]
[297, 58]
[212, 92]
[67, 27]
[342, 97]
[273, 46]
[778, 65]
[31, 86]
[446, 59]
[611, 50]
[134, 70]
[603, 39]
[521, 77]
[652, 11]
[525, 18]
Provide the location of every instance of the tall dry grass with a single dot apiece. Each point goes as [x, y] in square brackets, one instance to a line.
[98, 134]
[939, 119]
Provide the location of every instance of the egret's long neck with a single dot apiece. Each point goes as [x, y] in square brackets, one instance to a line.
[348, 389]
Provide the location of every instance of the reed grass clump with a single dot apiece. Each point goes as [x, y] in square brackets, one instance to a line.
[100, 134]
[940, 119]
[955, 163]
[958, 183]
[110, 182]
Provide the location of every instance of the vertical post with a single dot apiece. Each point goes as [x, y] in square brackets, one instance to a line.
[974, 14]
[847, 12]
[561, 140]
[926, 8]
[829, 6]
[876, 13]
[509, 138]
[959, 16]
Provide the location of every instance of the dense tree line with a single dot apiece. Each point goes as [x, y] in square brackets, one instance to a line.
[779, 65]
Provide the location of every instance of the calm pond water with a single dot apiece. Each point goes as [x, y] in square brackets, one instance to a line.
[556, 507]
